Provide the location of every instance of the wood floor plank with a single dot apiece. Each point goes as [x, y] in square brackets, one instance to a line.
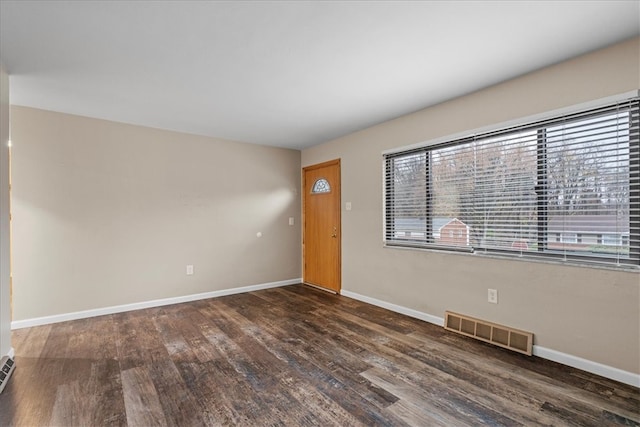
[103, 403]
[291, 356]
[438, 405]
[175, 395]
[31, 340]
[417, 415]
[137, 338]
[141, 399]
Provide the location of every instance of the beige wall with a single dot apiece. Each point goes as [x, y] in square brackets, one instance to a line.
[5, 298]
[106, 213]
[584, 312]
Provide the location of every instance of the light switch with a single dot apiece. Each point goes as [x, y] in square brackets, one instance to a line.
[292, 221]
[347, 206]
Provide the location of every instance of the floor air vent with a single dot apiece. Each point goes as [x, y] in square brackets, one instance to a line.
[503, 336]
[6, 367]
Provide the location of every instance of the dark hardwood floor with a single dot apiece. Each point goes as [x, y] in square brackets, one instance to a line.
[292, 356]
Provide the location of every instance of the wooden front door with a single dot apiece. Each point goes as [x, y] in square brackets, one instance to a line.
[322, 231]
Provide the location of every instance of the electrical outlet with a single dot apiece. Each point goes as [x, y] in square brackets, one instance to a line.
[189, 270]
[492, 296]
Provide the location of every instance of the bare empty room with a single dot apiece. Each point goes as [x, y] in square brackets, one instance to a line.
[421, 213]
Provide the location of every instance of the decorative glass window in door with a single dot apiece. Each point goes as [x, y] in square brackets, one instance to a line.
[321, 186]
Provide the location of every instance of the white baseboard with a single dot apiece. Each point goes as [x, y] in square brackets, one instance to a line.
[543, 352]
[27, 323]
[588, 365]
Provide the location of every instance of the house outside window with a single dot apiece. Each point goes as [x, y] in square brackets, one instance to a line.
[611, 239]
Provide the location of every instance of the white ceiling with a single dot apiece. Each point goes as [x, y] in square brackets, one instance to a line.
[289, 74]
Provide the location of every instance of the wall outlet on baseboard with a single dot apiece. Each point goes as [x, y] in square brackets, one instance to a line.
[189, 270]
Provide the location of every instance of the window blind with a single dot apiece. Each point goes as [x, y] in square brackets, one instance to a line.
[567, 187]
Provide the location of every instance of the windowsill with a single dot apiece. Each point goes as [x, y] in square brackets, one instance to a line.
[521, 258]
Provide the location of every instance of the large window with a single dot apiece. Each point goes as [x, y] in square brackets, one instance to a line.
[566, 188]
